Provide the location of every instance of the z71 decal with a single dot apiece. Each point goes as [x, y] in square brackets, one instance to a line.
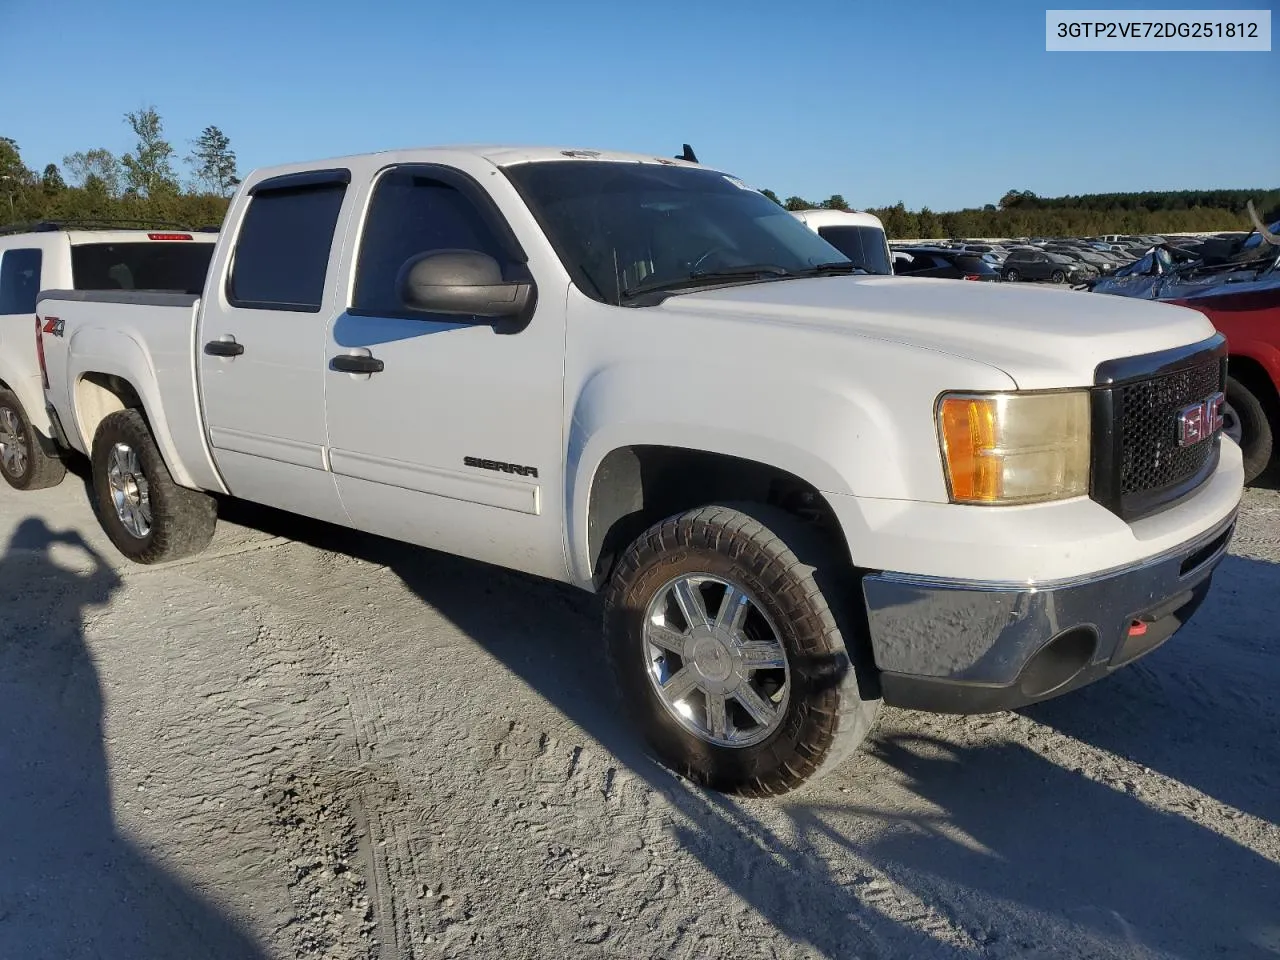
[500, 466]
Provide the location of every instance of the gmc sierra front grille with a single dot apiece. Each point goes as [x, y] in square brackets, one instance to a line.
[1147, 414]
[1139, 466]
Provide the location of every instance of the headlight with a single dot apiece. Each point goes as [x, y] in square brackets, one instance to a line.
[1004, 448]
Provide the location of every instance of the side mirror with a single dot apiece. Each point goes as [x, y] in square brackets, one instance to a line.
[462, 282]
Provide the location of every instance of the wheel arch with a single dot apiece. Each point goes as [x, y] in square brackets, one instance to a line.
[110, 386]
[633, 486]
[1253, 372]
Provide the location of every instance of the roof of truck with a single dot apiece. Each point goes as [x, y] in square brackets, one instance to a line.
[500, 155]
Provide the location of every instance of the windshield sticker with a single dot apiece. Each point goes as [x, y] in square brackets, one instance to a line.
[739, 184]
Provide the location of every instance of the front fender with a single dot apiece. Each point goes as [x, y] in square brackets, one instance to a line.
[1267, 355]
[100, 351]
[869, 436]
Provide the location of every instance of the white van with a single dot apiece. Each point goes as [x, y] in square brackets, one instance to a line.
[859, 236]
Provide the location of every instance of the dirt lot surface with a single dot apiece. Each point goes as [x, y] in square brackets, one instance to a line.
[312, 743]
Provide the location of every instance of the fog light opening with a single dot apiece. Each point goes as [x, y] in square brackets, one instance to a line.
[1058, 661]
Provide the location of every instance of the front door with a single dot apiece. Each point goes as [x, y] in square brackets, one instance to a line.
[261, 349]
[454, 441]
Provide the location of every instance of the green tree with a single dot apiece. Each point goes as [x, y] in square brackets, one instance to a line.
[149, 169]
[214, 162]
[928, 224]
[835, 202]
[98, 170]
[797, 203]
[51, 180]
[1017, 198]
[772, 196]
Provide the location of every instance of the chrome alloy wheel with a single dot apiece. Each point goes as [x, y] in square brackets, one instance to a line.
[716, 660]
[13, 443]
[129, 491]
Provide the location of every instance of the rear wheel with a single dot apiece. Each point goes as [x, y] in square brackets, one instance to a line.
[1247, 423]
[148, 517]
[1011, 275]
[23, 460]
[729, 654]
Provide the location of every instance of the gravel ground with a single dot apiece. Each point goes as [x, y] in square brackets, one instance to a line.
[313, 743]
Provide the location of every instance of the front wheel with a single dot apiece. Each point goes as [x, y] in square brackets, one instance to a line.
[148, 517]
[1011, 276]
[1247, 423]
[1058, 277]
[728, 653]
[23, 460]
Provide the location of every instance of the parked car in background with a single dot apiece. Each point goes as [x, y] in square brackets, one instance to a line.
[1029, 263]
[943, 263]
[996, 252]
[1102, 265]
[859, 236]
[69, 255]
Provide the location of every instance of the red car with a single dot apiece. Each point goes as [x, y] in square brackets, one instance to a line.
[1249, 318]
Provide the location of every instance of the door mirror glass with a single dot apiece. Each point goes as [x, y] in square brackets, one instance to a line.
[461, 282]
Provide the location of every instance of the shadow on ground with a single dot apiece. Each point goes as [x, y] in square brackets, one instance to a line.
[1205, 708]
[70, 885]
[1027, 858]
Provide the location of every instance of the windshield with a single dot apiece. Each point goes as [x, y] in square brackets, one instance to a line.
[179, 267]
[619, 227]
[865, 246]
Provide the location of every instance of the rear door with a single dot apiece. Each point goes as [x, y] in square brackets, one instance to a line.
[261, 344]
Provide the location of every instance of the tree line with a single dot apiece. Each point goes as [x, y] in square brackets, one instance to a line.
[144, 184]
[1020, 213]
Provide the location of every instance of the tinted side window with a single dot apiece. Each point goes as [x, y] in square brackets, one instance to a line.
[19, 280]
[411, 214]
[282, 252]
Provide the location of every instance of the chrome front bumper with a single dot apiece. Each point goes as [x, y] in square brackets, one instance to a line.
[952, 646]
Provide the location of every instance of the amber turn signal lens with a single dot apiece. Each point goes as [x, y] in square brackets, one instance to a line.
[969, 432]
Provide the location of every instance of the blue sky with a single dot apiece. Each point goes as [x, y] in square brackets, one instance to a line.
[943, 104]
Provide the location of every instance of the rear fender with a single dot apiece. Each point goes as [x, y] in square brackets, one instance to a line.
[24, 379]
[99, 351]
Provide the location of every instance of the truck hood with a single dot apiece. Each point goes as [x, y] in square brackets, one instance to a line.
[1042, 337]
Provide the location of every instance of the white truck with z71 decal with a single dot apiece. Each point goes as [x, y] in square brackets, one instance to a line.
[803, 491]
[69, 254]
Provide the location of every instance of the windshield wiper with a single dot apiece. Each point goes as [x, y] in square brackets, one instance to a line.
[701, 277]
[824, 269]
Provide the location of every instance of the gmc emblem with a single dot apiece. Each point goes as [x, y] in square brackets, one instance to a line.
[1200, 421]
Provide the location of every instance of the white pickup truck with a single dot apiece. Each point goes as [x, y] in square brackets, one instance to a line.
[77, 255]
[803, 492]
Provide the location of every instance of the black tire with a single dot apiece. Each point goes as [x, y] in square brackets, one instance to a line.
[1011, 276]
[1058, 276]
[37, 469]
[181, 520]
[795, 582]
[1257, 429]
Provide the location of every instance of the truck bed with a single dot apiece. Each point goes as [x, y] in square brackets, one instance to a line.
[160, 329]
